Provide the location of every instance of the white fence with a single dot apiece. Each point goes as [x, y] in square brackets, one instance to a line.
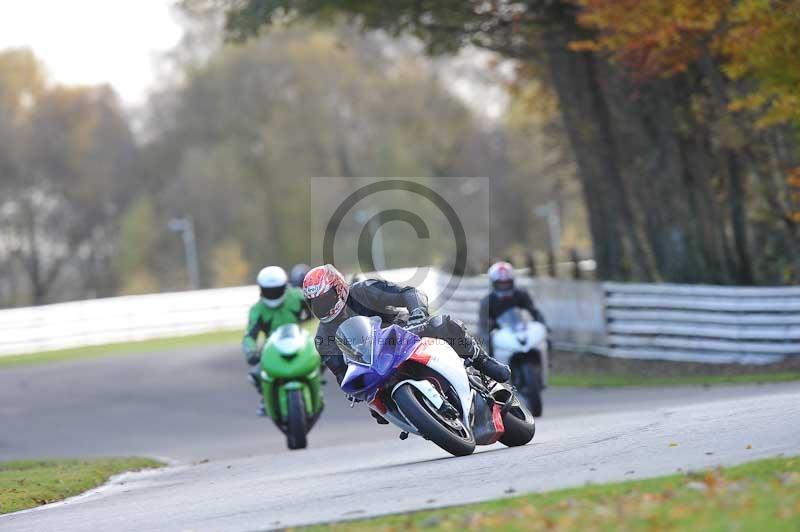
[573, 309]
[644, 321]
[691, 323]
[702, 323]
[123, 319]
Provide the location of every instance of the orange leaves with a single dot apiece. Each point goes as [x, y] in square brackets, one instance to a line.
[763, 43]
[793, 177]
[653, 38]
[756, 39]
[793, 182]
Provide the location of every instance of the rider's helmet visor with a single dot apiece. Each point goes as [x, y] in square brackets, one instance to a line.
[322, 306]
[273, 292]
[504, 285]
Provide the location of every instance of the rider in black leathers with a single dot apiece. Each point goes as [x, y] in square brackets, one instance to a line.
[332, 300]
[504, 296]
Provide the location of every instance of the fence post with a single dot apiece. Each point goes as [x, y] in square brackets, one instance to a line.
[552, 267]
[531, 263]
[575, 259]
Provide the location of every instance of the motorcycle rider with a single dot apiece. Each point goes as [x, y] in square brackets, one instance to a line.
[332, 300]
[297, 274]
[504, 296]
[279, 304]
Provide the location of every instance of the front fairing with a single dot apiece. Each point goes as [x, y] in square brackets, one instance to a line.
[282, 361]
[394, 346]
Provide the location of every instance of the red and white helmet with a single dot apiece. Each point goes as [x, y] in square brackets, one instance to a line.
[326, 292]
[501, 275]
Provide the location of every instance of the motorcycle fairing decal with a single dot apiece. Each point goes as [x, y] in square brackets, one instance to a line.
[443, 360]
[378, 404]
[497, 418]
[419, 354]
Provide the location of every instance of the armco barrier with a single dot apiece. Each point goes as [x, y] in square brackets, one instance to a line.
[123, 319]
[702, 323]
[696, 323]
[688, 323]
[573, 309]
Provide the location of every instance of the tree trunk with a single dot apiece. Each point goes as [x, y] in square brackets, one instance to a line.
[618, 247]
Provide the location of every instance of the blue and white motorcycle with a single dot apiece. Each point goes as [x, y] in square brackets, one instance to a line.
[422, 386]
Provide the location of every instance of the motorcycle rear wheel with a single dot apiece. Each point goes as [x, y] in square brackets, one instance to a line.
[518, 431]
[423, 415]
[296, 423]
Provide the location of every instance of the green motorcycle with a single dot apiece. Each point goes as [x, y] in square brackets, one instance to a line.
[290, 383]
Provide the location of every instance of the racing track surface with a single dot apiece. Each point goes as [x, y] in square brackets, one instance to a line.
[233, 472]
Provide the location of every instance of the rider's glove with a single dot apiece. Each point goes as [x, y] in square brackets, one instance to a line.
[417, 317]
[251, 355]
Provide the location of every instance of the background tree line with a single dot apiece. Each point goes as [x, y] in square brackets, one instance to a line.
[87, 188]
[663, 131]
[681, 116]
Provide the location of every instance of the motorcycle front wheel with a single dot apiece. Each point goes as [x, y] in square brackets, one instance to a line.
[296, 423]
[527, 379]
[449, 434]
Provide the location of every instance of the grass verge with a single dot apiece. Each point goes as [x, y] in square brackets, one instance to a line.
[613, 381]
[126, 348]
[762, 495]
[29, 483]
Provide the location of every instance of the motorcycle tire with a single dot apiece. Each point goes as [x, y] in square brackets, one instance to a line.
[296, 423]
[530, 386]
[518, 431]
[420, 413]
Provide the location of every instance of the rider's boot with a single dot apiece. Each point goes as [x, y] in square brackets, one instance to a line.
[487, 365]
[467, 347]
[490, 367]
[255, 379]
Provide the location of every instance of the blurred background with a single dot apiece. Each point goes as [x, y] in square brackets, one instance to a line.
[110, 132]
[615, 151]
[658, 138]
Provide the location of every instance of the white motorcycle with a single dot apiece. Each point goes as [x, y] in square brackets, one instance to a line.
[521, 343]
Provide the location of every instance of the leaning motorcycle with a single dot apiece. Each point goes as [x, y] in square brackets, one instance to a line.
[422, 386]
[290, 383]
[521, 344]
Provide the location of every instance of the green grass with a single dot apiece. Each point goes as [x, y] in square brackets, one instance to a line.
[28, 483]
[762, 495]
[601, 381]
[126, 348]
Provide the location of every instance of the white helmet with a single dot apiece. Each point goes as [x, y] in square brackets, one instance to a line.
[501, 275]
[272, 282]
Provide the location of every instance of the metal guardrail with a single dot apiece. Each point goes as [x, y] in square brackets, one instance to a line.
[702, 323]
[123, 319]
[573, 309]
[688, 323]
[698, 323]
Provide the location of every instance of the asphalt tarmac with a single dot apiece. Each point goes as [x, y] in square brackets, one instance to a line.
[231, 470]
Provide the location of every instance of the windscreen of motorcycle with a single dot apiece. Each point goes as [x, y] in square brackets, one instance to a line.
[356, 339]
[514, 319]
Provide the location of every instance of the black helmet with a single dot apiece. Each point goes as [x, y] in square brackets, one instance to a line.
[297, 274]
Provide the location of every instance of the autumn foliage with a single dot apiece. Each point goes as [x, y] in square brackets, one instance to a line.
[752, 40]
